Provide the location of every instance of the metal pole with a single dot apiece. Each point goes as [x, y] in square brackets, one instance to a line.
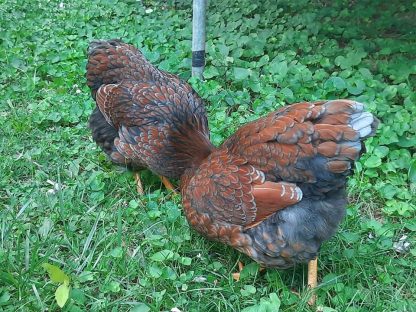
[198, 37]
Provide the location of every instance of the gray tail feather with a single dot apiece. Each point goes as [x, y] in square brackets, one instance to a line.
[364, 122]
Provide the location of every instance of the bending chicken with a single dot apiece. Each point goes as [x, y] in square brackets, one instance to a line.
[275, 190]
[145, 117]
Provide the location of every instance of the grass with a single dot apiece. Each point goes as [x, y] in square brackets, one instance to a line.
[62, 202]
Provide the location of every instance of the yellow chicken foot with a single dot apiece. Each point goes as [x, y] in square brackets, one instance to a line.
[236, 276]
[167, 184]
[312, 279]
[139, 185]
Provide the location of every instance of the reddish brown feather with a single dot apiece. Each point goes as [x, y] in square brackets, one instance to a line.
[336, 132]
[339, 119]
[339, 106]
[338, 166]
[271, 197]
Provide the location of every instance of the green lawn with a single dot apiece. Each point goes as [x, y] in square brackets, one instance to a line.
[63, 203]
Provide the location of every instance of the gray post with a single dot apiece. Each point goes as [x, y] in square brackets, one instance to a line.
[198, 37]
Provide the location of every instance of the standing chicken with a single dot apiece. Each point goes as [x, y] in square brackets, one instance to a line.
[145, 117]
[275, 190]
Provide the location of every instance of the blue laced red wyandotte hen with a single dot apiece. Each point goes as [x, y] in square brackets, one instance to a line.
[276, 189]
[145, 117]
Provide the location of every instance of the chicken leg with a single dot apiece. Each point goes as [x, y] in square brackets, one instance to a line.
[169, 186]
[139, 185]
[236, 276]
[312, 279]
[165, 181]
